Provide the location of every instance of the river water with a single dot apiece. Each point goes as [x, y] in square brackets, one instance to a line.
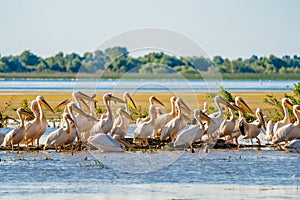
[227, 174]
[143, 85]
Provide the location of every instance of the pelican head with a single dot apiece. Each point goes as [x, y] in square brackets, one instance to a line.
[128, 97]
[287, 103]
[261, 117]
[153, 99]
[64, 102]
[182, 104]
[221, 100]
[124, 113]
[25, 112]
[296, 109]
[109, 97]
[239, 101]
[67, 116]
[173, 99]
[81, 95]
[204, 116]
[43, 102]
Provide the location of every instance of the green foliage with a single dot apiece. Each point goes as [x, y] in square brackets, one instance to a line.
[276, 113]
[118, 60]
[3, 115]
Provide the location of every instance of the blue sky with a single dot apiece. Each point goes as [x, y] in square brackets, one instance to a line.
[230, 28]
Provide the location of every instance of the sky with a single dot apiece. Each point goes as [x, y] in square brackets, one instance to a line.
[230, 28]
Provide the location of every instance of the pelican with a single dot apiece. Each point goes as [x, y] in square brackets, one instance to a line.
[84, 122]
[122, 118]
[105, 124]
[163, 119]
[176, 124]
[227, 126]
[41, 100]
[214, 120]
[238, 129]
[145, 129]
[16, 135]
[59, 137]
[192, 133]
[82, 129]
[105, 143]
[293, 146]
[253, 129]
[269, 131]
[35, 128]
[80, 98]
[289, 131]
[121, 129]
[285, 103]
[152, 99]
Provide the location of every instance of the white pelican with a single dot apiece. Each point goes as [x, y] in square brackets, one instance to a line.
[269, 131]
[16, 135]
[59, 137]
[253, 129]
[84, 122]
[293, 146]
[192, 133]
[172, 128]
[285, 103]
[80, 98]
[105, 143]
[289, 131]
[125, 120]
[227, 126]
[163, 119]
[145, 129]
[238, 129]
[82, 129]
[214, 120]
[41, 100]
[121, 129]
[105, 124]
[35, 128]
[152, 99]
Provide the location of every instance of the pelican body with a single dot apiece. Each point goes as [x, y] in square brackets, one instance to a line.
[192, 133]
[16, 135]
[121, 129]
[105, 124]
[172, 128]
[59, 137]
[289, 131]
[105, 143]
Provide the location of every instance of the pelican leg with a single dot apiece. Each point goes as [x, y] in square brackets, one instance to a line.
[191, 149]
[18, 147]
[236, 141]
[258, 141]
[12, 147]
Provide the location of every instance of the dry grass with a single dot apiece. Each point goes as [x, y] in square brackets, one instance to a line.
[194, 100]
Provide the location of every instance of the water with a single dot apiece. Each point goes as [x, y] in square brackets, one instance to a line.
[144, 85]
[237, 174]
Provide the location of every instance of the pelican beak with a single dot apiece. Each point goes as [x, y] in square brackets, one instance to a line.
[25, 112]
[86, 97]
[85, 104]
[204, 116]
[288, 104]
[45, 103]
[157, 101]
[126, 114]
[245, 107]
[262, 119]
[115, 99]
[131, 102]
[79, 111]
[66, 101]
[185, 107]
[235, 107]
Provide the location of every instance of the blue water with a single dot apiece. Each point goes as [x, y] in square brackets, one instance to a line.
[144, 85]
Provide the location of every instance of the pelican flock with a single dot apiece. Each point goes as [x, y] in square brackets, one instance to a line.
[110, 132]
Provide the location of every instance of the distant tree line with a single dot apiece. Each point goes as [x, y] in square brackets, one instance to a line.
[118, 59]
